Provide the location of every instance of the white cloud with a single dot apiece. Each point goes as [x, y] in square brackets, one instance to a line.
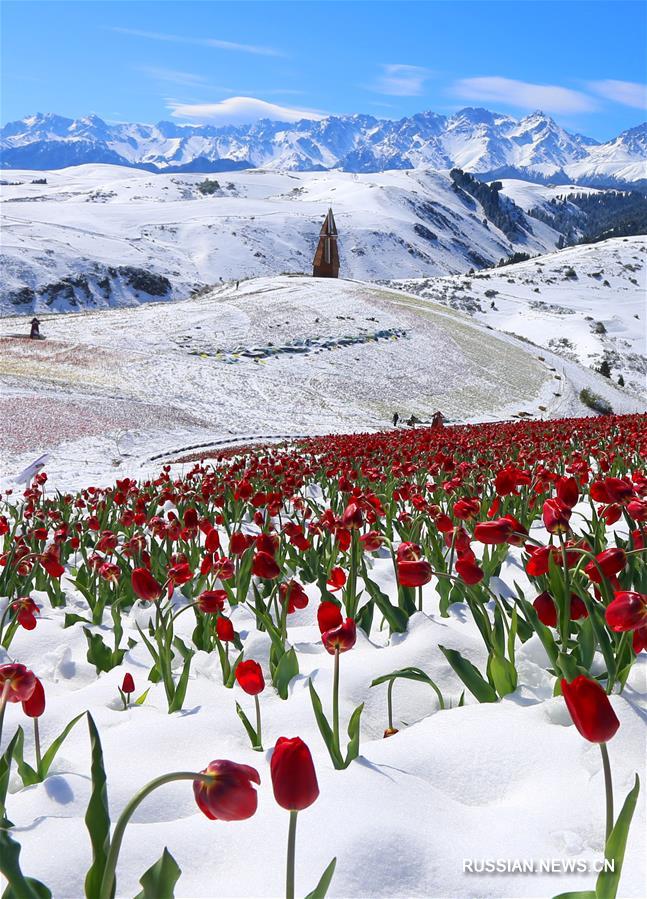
[200, 42]
[548, 97]
[187, 79]
[402, 80]
[240, 111]
[629, 93]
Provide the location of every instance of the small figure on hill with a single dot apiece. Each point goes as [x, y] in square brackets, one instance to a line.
[237, 283]
[438, 420]
[35, 329]
[396, 419]
[412, 421]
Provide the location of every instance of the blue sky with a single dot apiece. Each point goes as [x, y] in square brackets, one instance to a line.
[582, 61]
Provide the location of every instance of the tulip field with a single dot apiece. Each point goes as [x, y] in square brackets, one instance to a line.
[408, 663]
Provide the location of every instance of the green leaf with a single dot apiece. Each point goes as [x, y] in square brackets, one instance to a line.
[181, 687]
[352, 750]
[396, 617]
[321, 889]
[160, 879]
[142, 699]
[504, 674]
[470, 676]
[584, 894]
[5, 768]
[19, 886]
[50, 754]
[27, 774]
[324, 728]
[606, 886]
[251, 731]
[287, 668]
[412, 673]
[97, 816]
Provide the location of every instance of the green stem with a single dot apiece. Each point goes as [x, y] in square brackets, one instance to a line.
[420, 599]
[292, 840]
[3, 704]
[335, 701]
[389, 702]
[108, 880]
[259, 738]
[566, 607]
[37, 745]
[608, 791]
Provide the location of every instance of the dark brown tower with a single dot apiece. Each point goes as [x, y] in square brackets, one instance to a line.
[326, 261]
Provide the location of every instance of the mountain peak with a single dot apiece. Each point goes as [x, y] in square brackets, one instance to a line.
[474, 139]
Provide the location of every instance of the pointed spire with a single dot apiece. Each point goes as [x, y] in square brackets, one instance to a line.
[326, 261]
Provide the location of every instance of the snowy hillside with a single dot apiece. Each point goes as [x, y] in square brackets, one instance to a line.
[472, 139]
[278, 356]
[95, 236]
[585, 303]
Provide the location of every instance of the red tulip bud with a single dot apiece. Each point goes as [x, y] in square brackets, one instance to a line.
[144, 585]
[128, 685]
[294, 779]
[590, 709]
[230, 796]
[249, 675]
[35, 705]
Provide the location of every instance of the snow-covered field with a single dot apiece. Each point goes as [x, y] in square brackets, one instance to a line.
[69, 244]
[585, 303]
[510, 781]
[108, 390]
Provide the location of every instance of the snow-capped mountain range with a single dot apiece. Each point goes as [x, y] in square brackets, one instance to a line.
[476, 140]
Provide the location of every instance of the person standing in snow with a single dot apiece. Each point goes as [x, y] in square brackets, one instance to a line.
[237, 283]
[396, 419]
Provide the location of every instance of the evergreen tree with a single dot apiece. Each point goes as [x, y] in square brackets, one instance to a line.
[605, 369]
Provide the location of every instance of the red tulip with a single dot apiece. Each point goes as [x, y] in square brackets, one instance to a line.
[225, 629]
[249, 675]
[212, 601]
[556, 516]
[546, 610]
[340, 638]
[408, 552]
[352, 516]
[212, 542]
[414, 574]
[26, 611]
[568, 491]
[128, 685]
[336, 579]
[230, 796]
[264, 566]
[144, 585]
[468, 570]
[640, 639]
[578, 608]
[239, 542]
[328, 616]
[627, 611]
[17, 681]
[50, 560]
[371, 541]
[590, 709]
[294, 779]
[180, 573]
[35, 705]
[609, 563]
[293, 593]
[494, 532]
